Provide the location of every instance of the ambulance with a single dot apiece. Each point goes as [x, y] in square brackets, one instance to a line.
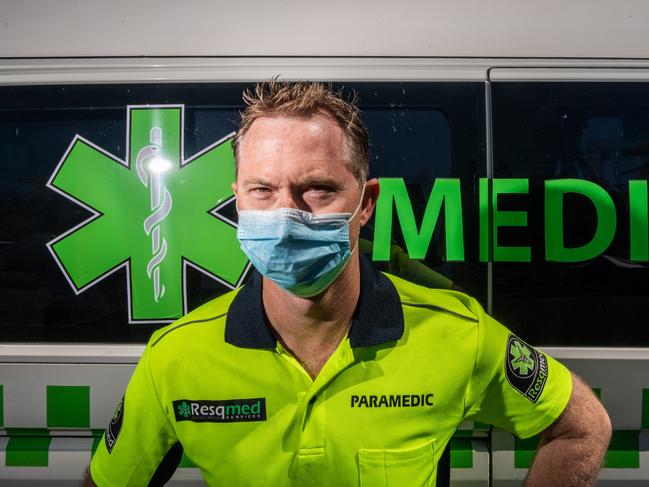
[511, 141]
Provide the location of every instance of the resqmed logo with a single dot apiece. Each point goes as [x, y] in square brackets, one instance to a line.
[230, 411]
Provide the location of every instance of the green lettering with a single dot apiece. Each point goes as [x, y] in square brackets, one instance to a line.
[639, 223]
[606, 220]
[255, 408]
[232, 409]
[446, 191]
[508, 219]
[485, 227]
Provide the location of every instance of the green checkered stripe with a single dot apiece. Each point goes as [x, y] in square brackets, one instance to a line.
[623, 452]
[627, 458]
[29, 447]
[68, 407]
[462, 448]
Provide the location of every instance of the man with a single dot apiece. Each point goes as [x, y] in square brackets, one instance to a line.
[321, 370]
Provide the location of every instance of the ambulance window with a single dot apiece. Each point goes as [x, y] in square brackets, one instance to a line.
[420, 132]
[82, 291]
[37, 126]
[598, 132]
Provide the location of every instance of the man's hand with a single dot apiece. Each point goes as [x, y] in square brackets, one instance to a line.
[572, 448]
[87, 479]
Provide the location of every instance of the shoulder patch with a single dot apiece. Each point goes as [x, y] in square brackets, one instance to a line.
[114, 427]
[526, 368]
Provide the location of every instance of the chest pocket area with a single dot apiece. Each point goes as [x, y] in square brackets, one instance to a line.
[413, 467]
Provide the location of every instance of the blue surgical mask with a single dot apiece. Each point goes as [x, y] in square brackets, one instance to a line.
[300, 251]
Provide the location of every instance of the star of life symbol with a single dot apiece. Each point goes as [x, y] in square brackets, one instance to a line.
[183, 409]
[154, 214]
[522, 358]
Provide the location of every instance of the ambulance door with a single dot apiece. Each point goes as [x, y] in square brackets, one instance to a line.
[576, 143]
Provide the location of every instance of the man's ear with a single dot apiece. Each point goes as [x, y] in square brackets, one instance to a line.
[235, 190]
[369, 200]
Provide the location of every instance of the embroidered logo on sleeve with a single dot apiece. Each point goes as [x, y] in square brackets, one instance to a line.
[114, 427]
[526, 368]
[230, 411]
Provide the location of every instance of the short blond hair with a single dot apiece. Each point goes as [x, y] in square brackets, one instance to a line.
[305, 99]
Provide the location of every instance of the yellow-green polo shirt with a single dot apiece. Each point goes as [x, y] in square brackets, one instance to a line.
[415, 364]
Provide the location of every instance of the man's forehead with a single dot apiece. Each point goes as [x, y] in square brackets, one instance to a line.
[286, 133]
[304, 149]
[311, 121]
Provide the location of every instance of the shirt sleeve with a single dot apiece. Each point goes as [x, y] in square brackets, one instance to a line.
[514, 386]
[138, 436]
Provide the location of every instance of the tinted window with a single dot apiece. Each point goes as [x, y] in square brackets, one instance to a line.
[420, 132]
[37, 126]
[417, 131]
[597, 132]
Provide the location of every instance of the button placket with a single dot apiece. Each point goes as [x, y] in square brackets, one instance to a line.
[314, 415]
[313, 424]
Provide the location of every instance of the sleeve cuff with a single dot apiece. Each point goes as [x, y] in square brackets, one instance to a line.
[554, 410]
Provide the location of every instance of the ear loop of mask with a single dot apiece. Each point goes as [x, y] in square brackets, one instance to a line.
[360, 203]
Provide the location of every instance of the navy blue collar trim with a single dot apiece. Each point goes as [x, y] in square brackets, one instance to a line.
[378, 317]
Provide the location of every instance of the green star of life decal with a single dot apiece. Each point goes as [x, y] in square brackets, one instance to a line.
[522, 358]
[154, 214]
[183, 409]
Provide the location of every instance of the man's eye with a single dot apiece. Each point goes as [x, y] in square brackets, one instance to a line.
[321, 189]
[261, 190]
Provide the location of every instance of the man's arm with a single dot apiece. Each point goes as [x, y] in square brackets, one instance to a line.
[87, 479]
[572, 448]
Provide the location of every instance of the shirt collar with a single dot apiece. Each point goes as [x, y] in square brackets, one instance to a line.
[378, 317]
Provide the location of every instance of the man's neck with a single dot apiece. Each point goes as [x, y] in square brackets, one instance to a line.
[312, 328]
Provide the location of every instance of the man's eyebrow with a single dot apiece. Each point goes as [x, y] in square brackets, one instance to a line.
[255, 181]
[319, 181]
[313, 180]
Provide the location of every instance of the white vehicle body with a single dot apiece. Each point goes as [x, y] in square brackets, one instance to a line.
[101, 43]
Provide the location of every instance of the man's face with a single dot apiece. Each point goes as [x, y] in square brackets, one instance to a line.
[295, 162]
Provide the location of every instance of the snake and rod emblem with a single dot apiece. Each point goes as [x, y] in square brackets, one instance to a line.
[151, 176]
